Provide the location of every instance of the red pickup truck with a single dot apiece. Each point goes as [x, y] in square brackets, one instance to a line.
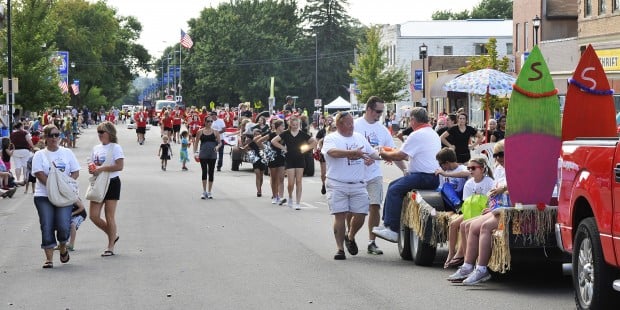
[588, 223]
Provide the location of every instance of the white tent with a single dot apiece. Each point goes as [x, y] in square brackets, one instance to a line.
[338, 103]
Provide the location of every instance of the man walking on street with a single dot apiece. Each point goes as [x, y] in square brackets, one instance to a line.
[378, 136]
[219, 126]
[420, 149]
[347, 153]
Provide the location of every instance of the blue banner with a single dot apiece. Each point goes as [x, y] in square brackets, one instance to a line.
[417, 80]
[61, 61]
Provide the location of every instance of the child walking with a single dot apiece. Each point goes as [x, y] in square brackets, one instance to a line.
[183, 155]
[78, 215]
[165, 152]
[29, 178]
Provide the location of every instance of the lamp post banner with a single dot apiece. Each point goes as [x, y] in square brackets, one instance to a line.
[61, 61]
[418, 80]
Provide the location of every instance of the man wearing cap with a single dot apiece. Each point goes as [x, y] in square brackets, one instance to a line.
[219, 126]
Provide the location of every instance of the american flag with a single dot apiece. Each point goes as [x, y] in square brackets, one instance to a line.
[186, 40]
[75, 87]
[63, 87]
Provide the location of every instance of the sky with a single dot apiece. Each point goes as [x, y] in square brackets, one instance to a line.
[162, 21]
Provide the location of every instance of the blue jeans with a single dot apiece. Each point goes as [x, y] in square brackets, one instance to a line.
[52, 219]
[398, 189]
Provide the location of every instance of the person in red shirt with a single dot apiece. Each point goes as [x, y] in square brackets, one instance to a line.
[228, 117]
[110, 117]
[166, 123]
[177, 120]
[140, 118]
[194, 124]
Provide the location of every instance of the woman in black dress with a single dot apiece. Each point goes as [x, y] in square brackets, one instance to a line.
[276, 164]
[463, 138]
[295, 143]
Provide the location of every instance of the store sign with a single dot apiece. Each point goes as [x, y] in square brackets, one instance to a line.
[609, 59]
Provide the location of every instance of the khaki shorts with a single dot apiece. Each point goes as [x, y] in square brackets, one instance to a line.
[375, 190]
[343, 197]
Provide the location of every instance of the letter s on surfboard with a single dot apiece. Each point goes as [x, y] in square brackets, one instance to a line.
[540, 74]
[585, 78]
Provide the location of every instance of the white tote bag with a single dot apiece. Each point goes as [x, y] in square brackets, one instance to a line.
[61, 188]
[98, 185]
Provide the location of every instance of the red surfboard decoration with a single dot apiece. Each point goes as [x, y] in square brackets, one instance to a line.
[589, 108]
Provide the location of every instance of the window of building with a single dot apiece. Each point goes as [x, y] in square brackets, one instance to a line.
[517, 37]
[602, 7]
[394, 54]
[447, 50]
[525, 36]
[615, 5]
[480, 49]
[587, 10]
[508, 48]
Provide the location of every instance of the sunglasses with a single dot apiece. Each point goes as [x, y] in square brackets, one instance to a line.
[53, 135]
[498, 154]
[378, 111]
[101, 132]
[472, 168]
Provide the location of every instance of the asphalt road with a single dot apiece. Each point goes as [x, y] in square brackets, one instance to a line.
[236, 251]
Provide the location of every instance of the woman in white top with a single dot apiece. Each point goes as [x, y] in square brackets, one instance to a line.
[108, 147]
[53, 218]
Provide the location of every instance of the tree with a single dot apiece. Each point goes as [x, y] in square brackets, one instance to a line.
[336, 35]
[500, 9]
[491, 61]
[487, 9]
[371, 74]
[32, 48]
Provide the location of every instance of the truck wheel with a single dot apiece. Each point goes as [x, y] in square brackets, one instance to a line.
[404, 245]
[235, 165]
[423, 253]
[592, 277]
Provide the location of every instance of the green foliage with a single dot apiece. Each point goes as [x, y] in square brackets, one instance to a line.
[487, 9]
[371, 74]
[489, 61]
[500, 9]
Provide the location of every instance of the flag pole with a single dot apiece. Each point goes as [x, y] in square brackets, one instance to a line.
[180, 68]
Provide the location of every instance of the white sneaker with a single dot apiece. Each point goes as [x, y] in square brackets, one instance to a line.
[460, 275]
[274, 200]
[297, 206]
[385, 233]
[209, 195]
[477, 276]
[289, 203]
[203, 196]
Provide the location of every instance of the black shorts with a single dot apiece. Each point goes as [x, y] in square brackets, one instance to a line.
[258, 165]
[167, 129]
[291, 163]
[277, 162]
[114, 189]
[176, 128]
[140, 129]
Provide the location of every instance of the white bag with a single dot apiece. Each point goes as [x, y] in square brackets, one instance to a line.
[98, 185]
[61, 188]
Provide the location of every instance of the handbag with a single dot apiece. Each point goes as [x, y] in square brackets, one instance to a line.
[474, 205]
[61, 188]
[452, 200]
[98, 184]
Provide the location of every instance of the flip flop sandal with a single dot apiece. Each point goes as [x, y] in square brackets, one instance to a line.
[107, 253]
[455, 262]
[115, 240]
[64, 258]
[48, 265]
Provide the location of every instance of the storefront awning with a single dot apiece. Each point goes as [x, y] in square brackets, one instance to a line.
[437, 88]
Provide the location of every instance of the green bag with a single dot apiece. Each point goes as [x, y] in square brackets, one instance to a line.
[473, 205]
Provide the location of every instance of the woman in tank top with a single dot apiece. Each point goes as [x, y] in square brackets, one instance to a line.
[210, 143]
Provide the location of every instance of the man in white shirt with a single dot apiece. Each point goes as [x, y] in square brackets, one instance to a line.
[347, 154]
[420, 149]
[378, 136]
[219, 126]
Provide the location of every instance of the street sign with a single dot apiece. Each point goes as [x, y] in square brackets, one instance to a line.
[318, 103]
[5, 85]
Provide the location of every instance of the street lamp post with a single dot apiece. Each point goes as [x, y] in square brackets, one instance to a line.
[9, 94]
[423, 54]
[316, 65]
[536, 23]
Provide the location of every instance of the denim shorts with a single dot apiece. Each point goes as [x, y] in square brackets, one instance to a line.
[77, 221]
[53, 219]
